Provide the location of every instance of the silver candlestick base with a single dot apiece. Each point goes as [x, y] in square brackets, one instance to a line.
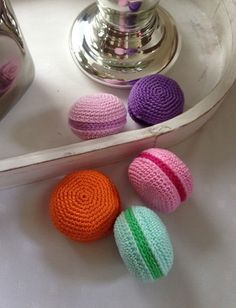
[116, 42]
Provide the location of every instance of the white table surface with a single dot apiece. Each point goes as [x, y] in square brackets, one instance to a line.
[39, 268]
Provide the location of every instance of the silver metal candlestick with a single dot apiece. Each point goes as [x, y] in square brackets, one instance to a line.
[117, 42]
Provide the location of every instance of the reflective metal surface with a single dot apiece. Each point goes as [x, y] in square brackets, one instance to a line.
[117, 42]
[16, 66]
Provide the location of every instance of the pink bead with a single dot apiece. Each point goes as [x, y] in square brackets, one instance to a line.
[123, 2]
[161, 179]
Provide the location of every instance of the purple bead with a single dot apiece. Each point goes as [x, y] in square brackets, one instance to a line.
[132, 51]
[135, 6]
[155, 99]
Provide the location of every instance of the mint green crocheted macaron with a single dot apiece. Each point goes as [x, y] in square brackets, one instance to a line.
[143, 243]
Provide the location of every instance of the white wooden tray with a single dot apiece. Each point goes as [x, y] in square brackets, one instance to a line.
[36, 142]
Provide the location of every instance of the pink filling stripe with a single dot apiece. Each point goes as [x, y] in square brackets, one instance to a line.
[171, 175]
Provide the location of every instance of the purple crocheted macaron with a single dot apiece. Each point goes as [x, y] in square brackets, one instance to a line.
[97, 116]
[155, 99]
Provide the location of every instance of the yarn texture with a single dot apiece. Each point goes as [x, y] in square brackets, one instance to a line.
[97, 116]
[155, 99]
[143, 243]
[161, 179]
[84, 205]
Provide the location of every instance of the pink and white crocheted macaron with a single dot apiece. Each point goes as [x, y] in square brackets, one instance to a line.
[161, 179]
[97, 116]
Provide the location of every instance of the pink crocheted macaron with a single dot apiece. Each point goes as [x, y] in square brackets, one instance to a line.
[97, 116]
[161, 179]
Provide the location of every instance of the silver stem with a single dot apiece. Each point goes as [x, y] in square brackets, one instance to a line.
[129, 15]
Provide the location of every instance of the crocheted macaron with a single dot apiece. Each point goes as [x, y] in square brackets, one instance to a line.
[97, 116]
[161, 179]
[84, 205]
[143, 243]
[155, 99]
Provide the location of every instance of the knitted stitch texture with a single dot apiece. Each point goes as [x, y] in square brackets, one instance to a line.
[84, 205]
[161, 179]
[143, 243]
[97, 116]
[155, 99]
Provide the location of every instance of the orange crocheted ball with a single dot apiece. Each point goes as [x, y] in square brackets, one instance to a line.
[84, 205]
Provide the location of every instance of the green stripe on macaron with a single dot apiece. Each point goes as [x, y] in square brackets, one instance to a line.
[142, 245]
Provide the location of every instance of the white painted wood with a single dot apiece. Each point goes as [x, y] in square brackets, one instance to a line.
[216, 50]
